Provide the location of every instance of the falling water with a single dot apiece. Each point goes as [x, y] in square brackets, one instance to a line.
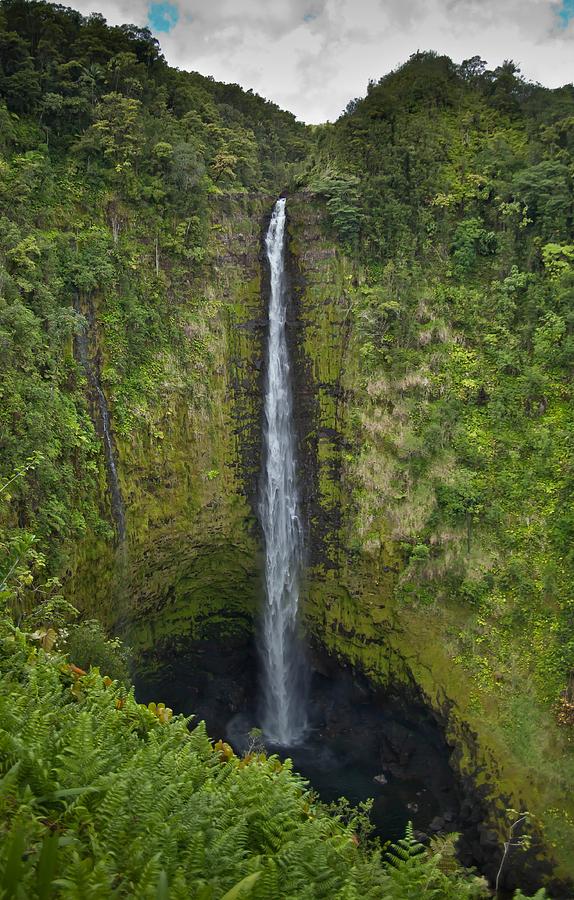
[82, 344]
[284, 713]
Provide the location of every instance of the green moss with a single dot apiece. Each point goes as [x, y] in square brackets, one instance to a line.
[352, 605]
[190, 564]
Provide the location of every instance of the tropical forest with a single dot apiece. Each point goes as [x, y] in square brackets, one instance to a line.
[286, 479]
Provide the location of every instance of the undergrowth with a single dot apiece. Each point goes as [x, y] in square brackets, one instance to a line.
[103, 797]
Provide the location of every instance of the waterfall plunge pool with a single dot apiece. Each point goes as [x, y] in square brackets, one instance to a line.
[356, 734]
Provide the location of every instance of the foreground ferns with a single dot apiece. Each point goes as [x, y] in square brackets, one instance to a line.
[411, 872]
[102, 797]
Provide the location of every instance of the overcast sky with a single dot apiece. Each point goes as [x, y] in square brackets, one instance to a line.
[313, 56]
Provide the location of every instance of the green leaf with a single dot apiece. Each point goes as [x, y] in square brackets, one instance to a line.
[47, 866]
[242, 888]
[14, 862]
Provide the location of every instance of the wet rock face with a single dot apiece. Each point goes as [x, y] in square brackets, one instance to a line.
[318, 329]
[349, 604]
[188, 469]
[213, 680]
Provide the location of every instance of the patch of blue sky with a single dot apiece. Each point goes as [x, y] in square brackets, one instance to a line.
[566, 12]
[162, 17]
[309, 17]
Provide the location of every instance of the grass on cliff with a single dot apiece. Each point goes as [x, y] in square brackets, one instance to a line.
[449, 187]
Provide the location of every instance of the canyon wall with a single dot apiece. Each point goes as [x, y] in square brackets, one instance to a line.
[189, 570]
[187, 580]
[352, 608]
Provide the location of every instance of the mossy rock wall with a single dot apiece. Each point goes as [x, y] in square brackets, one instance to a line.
[350, 604]
[189, 567]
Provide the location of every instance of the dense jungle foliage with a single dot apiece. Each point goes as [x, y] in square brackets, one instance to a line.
[103, 797]
[452, 190]
[109, 158]
[454, 187]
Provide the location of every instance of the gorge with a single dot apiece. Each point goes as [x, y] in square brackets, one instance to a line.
[365, 720]
[354, 741]
[228, 421]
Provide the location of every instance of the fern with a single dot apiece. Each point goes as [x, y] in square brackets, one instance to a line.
[99, 798]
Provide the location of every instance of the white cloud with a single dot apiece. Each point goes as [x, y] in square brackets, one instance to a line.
[312, 56]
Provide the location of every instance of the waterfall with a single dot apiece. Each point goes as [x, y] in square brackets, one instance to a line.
[115, 491]
[284, 671]
[98, 396]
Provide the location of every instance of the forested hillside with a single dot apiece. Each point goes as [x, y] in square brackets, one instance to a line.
[454, 188]
[109, 162]
[431, 238]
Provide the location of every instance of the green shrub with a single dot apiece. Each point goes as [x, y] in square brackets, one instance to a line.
[101, 796]
[88, 645]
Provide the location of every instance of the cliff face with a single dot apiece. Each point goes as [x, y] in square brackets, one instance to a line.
[186, 581]
[188, 569]
[353, 608]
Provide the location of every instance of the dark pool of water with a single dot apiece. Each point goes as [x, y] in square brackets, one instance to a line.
[360, 744]
[333, 773]
[338, 768]
[356, 735]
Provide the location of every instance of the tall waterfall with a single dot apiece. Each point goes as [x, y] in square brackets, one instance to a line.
[284, 676]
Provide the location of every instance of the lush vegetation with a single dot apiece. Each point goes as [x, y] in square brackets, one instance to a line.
[109, 161]
[453, 186]
[103, 797]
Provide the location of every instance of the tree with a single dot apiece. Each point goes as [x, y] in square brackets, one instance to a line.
[117, 130]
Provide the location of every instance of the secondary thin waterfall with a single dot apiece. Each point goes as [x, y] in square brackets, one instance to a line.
[98, 396]
[284, 677]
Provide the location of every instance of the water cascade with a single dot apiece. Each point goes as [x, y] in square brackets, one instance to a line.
[284, 676]
[98, 396]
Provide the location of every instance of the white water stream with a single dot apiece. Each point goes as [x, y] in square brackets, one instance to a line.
[284, 675]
